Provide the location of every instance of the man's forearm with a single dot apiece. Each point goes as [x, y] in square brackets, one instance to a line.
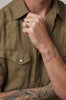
[56, 69]
[31, 94]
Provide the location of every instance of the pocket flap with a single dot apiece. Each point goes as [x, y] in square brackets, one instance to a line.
[22, 59]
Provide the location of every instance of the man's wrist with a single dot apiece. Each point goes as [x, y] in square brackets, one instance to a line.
[48, 52]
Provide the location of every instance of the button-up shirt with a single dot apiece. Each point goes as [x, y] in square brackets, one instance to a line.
[21, 64]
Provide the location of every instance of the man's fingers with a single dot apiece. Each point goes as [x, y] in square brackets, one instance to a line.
[32, 15]
[29, 24]
[28, 20]
[26, 30]
[25, 25]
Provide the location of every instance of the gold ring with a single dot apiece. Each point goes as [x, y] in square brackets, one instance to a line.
[26, 24]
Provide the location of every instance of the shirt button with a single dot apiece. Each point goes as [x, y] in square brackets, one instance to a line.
[21, 60]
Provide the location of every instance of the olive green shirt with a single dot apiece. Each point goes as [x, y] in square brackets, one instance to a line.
[21, 63]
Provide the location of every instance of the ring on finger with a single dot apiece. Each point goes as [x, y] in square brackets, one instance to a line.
[27, 24]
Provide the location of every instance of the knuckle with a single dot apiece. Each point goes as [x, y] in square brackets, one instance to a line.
[40, 18]
[34, 24]
[22, 23]
[37, 20]
[32, 29]
[29, 13]
[25, 19]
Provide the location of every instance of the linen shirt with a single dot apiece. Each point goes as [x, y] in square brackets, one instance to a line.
[21, 64]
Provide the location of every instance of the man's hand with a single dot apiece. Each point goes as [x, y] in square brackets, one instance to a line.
[37, 32]
[34, 26]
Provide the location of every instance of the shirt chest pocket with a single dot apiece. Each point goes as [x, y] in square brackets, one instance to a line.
[18, 69]
[18, 66]
[21, 59]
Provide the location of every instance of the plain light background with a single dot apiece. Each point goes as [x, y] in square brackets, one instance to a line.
[5, 2]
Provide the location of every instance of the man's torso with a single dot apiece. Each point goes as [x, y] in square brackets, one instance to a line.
[22, 62]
